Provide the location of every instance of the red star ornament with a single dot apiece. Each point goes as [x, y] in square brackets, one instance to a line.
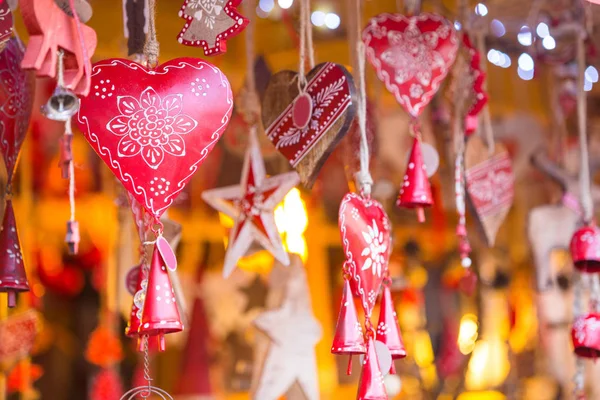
[251, 205]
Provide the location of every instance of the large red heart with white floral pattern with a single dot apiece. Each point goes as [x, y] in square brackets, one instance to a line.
[365, 229]
[17, 89]
[412, 55]
[153, 127]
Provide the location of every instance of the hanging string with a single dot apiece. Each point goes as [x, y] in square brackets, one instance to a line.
[363, 177]
[152, 47]
[86, 58]
[587, 204]
[68, 137]
[487, 118]
[308, 32]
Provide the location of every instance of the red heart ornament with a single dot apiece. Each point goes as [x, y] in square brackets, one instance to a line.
[16, 101]
[305, 126]
[412, 55]
[153, 127]
[365, 229]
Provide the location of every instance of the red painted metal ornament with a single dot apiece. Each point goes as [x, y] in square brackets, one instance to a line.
[210, 23]
[412, 55]
[416, 190]
[12, 271]
[586, 336]
[585, 249]
[371, 386]
[17, 335]
[365, 230]
[388, 331]
[154, 127]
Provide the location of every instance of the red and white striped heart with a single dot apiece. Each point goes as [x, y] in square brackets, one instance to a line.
[412, 55]
[366, 236]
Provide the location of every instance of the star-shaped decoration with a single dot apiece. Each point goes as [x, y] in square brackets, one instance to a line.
[293, 332]
[209, 23]
[251, 205]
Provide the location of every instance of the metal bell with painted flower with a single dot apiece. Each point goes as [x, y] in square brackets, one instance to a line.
[371, 386]
[416, 190]
[586, 336]
[160, 314]
[349, 339]
[388, 331]
[12, 271]
[585, 249]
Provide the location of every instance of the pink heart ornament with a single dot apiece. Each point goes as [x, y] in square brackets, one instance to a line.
[154, 127]
[366, 237]
[412, 55]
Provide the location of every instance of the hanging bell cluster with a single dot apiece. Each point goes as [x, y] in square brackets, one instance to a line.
[416, 190]
[12, 270]
[160, 314]
[350, 340]
[585, 335]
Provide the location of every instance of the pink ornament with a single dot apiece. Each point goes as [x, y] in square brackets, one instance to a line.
[12, 270]
[585, 249]
[349, 338]
[210, 23]
[412, 55]
[17, 89]
[371, 385]
[586, 336]
[365, 230]
[154, 127]
[160, 314]
[388, 331]
[416, 190]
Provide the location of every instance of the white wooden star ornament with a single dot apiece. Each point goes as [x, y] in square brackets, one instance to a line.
[251, 205]
[293, 332]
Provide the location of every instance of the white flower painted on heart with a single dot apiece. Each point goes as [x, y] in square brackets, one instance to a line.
[151, 126]
[375, 249]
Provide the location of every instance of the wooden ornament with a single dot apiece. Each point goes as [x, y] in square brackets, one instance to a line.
[6, 24]
[490, 185]
[210, 23]
[305, 126]
[50, 29]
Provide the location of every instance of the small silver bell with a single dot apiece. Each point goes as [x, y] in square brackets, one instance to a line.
[62, 105]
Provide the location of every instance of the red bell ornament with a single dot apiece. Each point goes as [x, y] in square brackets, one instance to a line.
[160, 314]
[415, 191]
[586, 336]
[349, 338]
[585, 249]
[371, 386]
[12, 270]
[388, 331]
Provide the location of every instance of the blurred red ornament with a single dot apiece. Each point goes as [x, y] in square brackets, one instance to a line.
[349, 338]
[17, 335]
[388, 331]
[585, 249]
[416, 190]
[12, 270]
[20, 373]
[468, 282]
[366, 236]
[371, 385]
[160, 314]
[107, 386]
[6, 24]
[137, 306]
[104, 348]
[586, 336]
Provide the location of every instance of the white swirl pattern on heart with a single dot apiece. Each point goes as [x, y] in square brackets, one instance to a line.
[151, 126]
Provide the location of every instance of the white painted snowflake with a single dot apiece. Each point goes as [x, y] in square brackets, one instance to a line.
[374, 250]
[151, 126]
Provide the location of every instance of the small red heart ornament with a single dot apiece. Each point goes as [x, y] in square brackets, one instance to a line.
[306, 125]
[365, 229]
[412, 55]
[17, 89]
[154, 127]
